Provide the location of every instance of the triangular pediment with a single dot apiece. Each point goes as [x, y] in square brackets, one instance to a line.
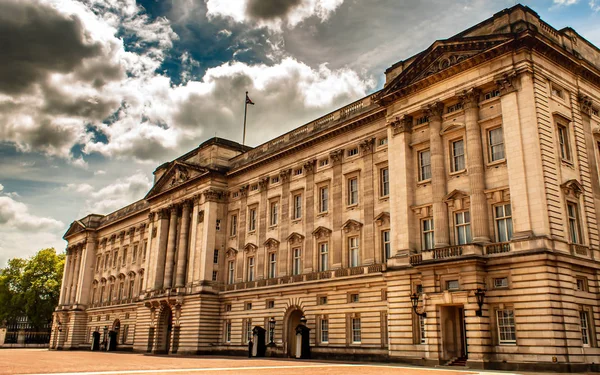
[295, 238]
[75, 227]
[250, 248]
[382, 218]
[445, 57]
[177, 174]
[321, 232]
[351, 225]
[455, 194]
[572, 187]
[271, 243]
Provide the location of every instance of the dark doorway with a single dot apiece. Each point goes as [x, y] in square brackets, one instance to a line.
[453, 332]
[165, 328]
[292, 322]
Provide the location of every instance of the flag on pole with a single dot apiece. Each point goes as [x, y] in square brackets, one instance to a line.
[248, 101]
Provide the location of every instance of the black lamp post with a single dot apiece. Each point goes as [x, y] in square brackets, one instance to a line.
[303, 320]
[272, 331]
[414, 298]
[480, 295]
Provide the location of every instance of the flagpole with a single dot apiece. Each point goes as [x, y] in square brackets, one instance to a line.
[245, 111]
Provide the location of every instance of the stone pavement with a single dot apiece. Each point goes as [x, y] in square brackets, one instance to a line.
[42, 361]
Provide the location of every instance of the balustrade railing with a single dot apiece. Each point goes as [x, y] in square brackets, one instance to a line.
[497, 248]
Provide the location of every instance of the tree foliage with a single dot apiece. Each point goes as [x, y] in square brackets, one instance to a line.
[31, 287]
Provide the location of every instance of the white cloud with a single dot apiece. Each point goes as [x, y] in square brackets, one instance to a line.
[1, 187]
[565, 2]
[595, 5]
[99, 172]
[15, 215]
[80, 188]
[117, 195]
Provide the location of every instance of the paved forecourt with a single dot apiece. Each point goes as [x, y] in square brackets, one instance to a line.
[42, 361]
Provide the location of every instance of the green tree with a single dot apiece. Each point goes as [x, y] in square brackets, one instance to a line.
[31, 287]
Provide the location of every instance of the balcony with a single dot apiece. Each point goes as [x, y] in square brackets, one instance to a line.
[497, 248]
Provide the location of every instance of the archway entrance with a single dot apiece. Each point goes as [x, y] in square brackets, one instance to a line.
[165, 327]
[292, 321]
[453, 332]
[113, 335]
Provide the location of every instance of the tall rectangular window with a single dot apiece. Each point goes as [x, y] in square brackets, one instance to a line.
[353, 251]
[324, 199]
[585, 328]
[130, 291]
[134, 254]
[323, 256]
[462, 221]
[324, 330]
[251, 269]
[215, 275]
[427, 237]
[386, 244]
[496, 144]
[230, 272]
[422, 329]
[424, 165]
[272, 265]
[252, 220]
[384, 190]
[297, 213]
[356, 330]
[124, 259]
[274, 213]
[233, 226]
[297, 264]
[216, 256]
[574, 227]
[506, 326]
[115, 258]
[352, 191]
[563, 142]
[458, 156]
[228, 331]
[248, 330]
[503, 217]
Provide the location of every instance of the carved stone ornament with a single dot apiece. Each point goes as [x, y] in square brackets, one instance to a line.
[163, 214]
[122, 236]
[309, 166]
[201, 216]
[586, 104]
[497, 195]
[366, 146]
[422, 211]
[180, 175]
[295, 238]
[271, 244]
[470, 98]
[457, 200]
[263, 183]
[211, 195]
[507, 82]
[382, 218]
[336, 156]
[250, 248]
[572, 188]
[151, 216]
[154, 231]
[244, 190]
[401, 124]
[231, 253]
[285, 174]
[446, 61]
[351, 226]
[321, 232]
[434, 111]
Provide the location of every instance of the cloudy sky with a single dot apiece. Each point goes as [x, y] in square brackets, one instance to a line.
[94, 94]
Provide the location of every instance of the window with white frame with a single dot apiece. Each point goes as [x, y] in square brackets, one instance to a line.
[233, 226]
[458, 156]
[353, 251]
[505, 319]
[503, 218]
[230, 271]
[251, 269]
[557, 92]
[324, 330]
[496, 144]
[323, 162]
[386, 244]
[323, 256]
[384, 183]
[353, 151]
[252, 219]
[421, 329]
[297, 261]
[462, 222]
[352, 191]
[274, 213]
[356, 330]
[383, 141]
[563, 142]
[275, 179]
[500, 282]
[324, 199]
[491, 94]
[427, 238]
[585, 327]
[272, 265]
[424, 165]
[297, 212]
[574, 226]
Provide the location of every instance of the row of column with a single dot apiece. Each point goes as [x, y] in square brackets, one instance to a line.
[71, 273]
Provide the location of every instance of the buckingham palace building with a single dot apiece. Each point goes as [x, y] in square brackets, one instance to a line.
[450, 218]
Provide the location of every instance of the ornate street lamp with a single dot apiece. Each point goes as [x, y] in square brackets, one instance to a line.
[303, 320]
[414, 298]
[59, 324]
[480, 295]
[272, 331]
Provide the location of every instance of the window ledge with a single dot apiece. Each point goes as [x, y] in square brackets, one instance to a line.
[352, 206]
[295, 221]
[385, 198]
[233, 236]
[274, 226]
[424, 182]
[457, 173]
[323, 214]
[496, 163]
[568, 163]
[252, 231]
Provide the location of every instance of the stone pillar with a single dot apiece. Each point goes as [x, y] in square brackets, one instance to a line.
[479, 208]
[171, 247]
[259, 267]
[195, 245]
[86, 276]
[438, 176]
[64, 295]
[209, 240]
[368, 247]
[400, 164]
[309, 216]
[70, 285]
[336, 250]
[163, 236]
[242, 226]
[182, 255]
[282, 256]
[150, 255]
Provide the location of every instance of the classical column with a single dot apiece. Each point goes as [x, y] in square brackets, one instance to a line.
[64, 296]
[284, 219]
[368, 248]
[182, 255]
[170, 259]
[71, 275]
[400, 164]
[163, 236]
[76, 285]
[209, 240]
[259, 269]
[336, 205]
[86, 276]
[309, 215]
[242, 226]
[479, 207]
[438, 176]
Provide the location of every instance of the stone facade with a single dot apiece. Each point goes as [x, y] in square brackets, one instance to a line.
[474, 169]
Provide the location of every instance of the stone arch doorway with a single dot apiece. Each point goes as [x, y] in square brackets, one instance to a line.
[116, 328]
[291, 321]
[165, 327]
